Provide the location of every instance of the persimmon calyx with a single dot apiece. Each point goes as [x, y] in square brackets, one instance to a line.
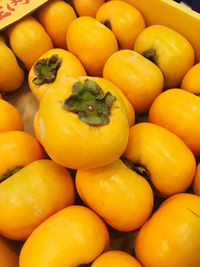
[46, 69]
[107, 24]
[90, 103]
[9, 173]
[137, 167]
[151, 54]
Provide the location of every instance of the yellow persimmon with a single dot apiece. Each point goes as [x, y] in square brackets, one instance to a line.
[56, 17]
[77, 237]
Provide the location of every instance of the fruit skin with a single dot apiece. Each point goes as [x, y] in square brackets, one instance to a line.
[70, 66]
[175, 54]
[8, 256]
[76, 140]
[178, 111]
[10, 118]
[169, 162]
[116, 259]
[77, 234]
[139, 79]
[87, 7]
[29, 40]
[56, 17]
[17, 149]
[129, 107]
[36, 127]
[125, 20]
[39, 190]
[196, 183]
[92, 42]
[190, 81]
[171, 236]
[11, 75]
[116, 185]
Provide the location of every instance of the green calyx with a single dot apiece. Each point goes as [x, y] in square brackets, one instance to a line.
[151, 54]
[90, 103]
[46, 70]
[107, 24]
[137, 167]
[10, 173]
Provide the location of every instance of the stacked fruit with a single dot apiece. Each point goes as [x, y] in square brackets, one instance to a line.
[94, 68]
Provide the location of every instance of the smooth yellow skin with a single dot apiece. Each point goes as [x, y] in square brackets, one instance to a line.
[87, 7]
[36, 127]
[92, 42]
[11, 75]
[191, 80]
[129, 107]
[139, 79]
[126, 21]
[8, 256]
[56, 17]
[169, 161]
[10, 118]
[171, 236]
[70, 66]
[179, 111]
[17, 149]
[73, 143]
[175, 53]
[116, 259]
[115, 185]
[71, 237]
[31, 195]
[196, 183]
[29, 40]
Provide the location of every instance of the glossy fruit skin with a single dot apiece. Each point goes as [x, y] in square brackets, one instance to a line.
[125, 20]
[75, 231]
[36, 127]
[11, 75]
[115, 185]
[196, 183]
[139, 79]
[17, 149]
[29, 40]
[8, 256]
[178, 111]
[39, 190]
[190, 81]
[129, 107]
[175, 53]
[10, 118]
[116, 259]
[170, 163]
[75, 140]
[87, 7]
[92, 42]
[56, 17]
[171, 236]
[70, 66]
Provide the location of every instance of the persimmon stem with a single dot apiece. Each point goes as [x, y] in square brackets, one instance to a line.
[137, 167]
[90, 103]
[9, 173]
[151, 54]
[46, 70]
[107, 24]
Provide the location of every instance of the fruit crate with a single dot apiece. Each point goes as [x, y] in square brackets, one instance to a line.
[164, 12]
